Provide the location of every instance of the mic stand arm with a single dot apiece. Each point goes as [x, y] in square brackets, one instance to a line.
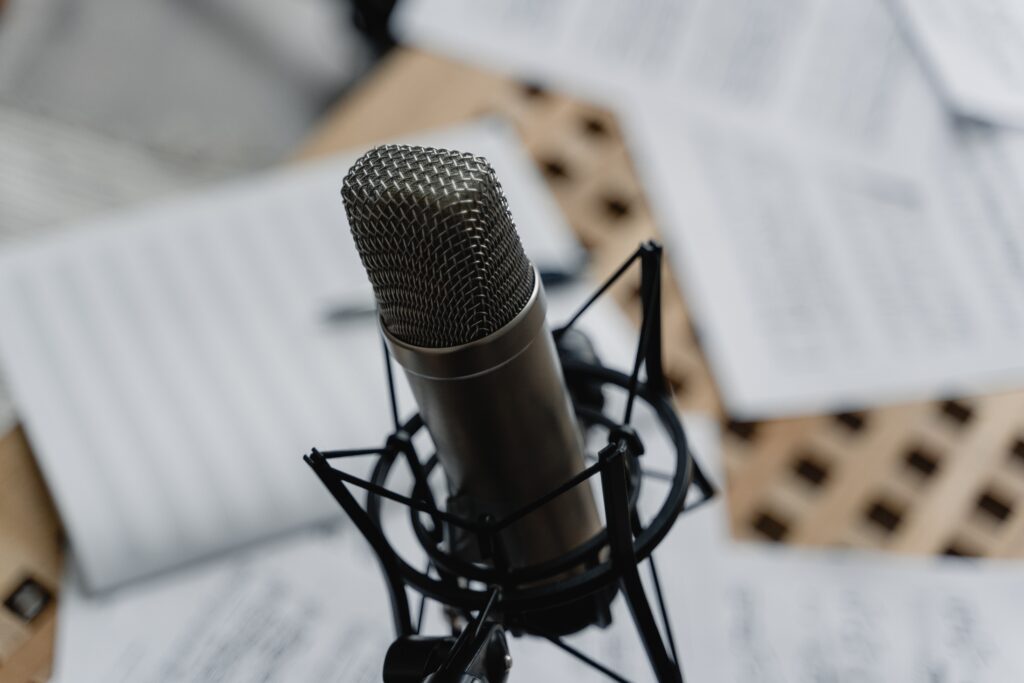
[614, 483]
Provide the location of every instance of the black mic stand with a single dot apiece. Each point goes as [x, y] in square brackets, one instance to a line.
[552, 598]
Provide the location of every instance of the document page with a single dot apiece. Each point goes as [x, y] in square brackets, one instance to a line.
[975, 53]
[172, 364]
[825, 280]
[743, 53]
[298, 609]
[53, 174]
[786, 615]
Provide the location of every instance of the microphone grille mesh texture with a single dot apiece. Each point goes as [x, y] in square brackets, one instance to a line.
[433, 231]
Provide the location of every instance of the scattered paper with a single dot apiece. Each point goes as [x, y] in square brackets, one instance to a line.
[171, 364]
[841, 239]
[52, 174]
[788, 615]
[299, 609]
[975, 53]
[835, 65]
[845, 242]
[823, 280]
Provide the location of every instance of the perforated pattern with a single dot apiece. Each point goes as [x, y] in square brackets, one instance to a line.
[433, 230]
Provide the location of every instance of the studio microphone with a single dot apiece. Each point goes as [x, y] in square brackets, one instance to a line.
[519, 546]
[463, 312]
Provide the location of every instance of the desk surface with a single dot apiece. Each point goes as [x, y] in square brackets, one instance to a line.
[941, 477]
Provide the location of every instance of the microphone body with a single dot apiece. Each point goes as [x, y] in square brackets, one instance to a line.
[499, 413]
[463, 312]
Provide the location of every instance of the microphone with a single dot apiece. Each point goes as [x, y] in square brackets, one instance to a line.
[463, 311]
[519, 548]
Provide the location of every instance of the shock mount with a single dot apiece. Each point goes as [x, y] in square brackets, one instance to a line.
[486, 599]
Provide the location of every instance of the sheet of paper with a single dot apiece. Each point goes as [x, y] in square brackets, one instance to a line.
[285, 611]
[171, 364]
[975, 53]
[52, 174]
[788, 615]
[823, 280]
[837, 66]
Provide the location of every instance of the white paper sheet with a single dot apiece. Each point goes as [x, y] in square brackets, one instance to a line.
[286, 611]
[785, 615]
[835, 65]
[975, 53]
[52, 174]
[173, 363]
[825, 280]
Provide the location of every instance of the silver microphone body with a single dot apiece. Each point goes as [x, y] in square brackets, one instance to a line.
[463, 312]
[499, 413]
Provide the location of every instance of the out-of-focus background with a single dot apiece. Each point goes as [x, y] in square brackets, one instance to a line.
[837, 184]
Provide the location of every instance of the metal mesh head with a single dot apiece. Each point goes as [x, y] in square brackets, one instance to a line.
[433, 230]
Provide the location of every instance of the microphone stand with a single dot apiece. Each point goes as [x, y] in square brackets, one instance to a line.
[585, 578]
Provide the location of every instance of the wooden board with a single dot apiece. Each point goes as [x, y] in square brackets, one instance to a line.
[30, 562]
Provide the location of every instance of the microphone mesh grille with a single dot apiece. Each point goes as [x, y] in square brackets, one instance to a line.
[433, 231]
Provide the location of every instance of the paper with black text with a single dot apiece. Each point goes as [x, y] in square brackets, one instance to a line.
[171, 364]
[823, 280]
[838, 68]
[54, 174]
[785, 615]
[296, 609]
